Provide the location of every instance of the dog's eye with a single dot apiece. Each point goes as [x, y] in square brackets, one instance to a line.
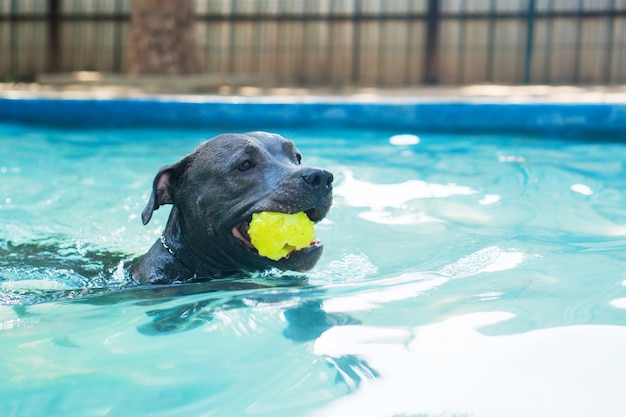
[245, 165]
[299, 158]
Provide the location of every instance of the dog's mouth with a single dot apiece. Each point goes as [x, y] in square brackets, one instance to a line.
[295, 259]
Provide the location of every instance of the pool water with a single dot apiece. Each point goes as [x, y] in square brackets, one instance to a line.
[479, 275]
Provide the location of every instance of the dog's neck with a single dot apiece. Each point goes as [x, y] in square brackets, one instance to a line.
[172, 258]
[173, 241]
[166, 262]
[163, 241]
[202, 265]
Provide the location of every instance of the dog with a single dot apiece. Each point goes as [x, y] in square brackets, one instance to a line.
[213, 192]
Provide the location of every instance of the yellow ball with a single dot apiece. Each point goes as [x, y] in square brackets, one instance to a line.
[276, 235]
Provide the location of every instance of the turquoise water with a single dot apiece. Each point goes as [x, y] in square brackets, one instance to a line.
[479, 275]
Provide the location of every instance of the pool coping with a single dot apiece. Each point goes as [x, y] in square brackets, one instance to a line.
[182, 88]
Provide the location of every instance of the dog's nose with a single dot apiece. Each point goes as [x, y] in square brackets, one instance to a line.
[318, 178]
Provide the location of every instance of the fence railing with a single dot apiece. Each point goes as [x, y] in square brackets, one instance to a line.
[340, 42]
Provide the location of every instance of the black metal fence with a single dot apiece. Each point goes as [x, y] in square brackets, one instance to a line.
[340, 42]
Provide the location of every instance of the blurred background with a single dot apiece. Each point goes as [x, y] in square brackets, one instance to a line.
[363, 43]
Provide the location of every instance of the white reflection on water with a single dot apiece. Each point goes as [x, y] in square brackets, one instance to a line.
[619, 303]
[359, 193]
[490, 259]
[391, 203]
[404, 140]
[449, 368]
[412, 284]
[582, 189]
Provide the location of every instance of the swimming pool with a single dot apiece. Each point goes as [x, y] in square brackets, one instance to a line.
[465, 273]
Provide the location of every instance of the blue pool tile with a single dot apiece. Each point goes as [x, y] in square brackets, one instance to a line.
[607, 118]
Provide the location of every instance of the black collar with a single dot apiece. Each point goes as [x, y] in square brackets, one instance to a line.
[169, 249]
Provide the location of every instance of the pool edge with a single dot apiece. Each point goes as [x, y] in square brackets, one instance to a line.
[406, 113]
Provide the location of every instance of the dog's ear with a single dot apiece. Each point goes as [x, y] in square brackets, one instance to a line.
[163, 188]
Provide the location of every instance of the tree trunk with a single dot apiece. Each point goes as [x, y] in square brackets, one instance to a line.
[162, 38]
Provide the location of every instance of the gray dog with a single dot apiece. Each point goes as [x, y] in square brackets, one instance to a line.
[214, 192]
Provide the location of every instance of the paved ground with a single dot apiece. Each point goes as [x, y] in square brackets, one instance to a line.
[214, 86]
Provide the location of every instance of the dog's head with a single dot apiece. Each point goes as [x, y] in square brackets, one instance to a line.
[216, 189]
